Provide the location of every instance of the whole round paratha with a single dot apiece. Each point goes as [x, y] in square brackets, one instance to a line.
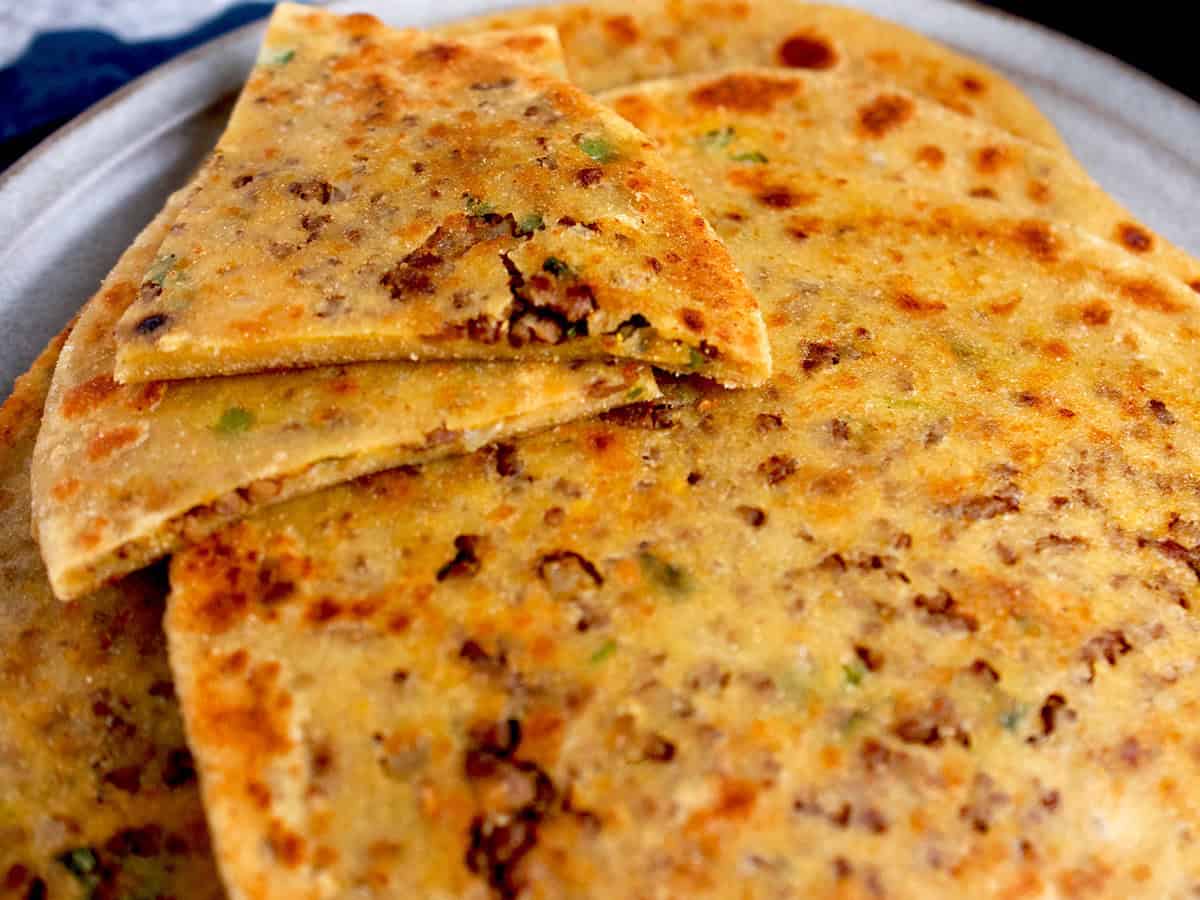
[916, 618]
[616, 43]
[98, 790]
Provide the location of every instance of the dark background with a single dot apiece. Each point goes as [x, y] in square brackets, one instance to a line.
[1159, 38]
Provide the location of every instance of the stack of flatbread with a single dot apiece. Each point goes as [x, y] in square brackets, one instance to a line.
[674, 448]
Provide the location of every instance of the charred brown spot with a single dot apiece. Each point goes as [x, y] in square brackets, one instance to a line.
[778, 469]
[692, 319]
[780, 197]
[658, 749]
[507, 460]
[1148, 295]
[621, 30]
[807, 51]
[984, 670]
[871, 659]
[649, 415]
[1177, 552]
[819, 354]
[1159, 410]
[932, 156]
[466, 561]
[752, 516]
[314, 189]
[178, 768]
[989, 160]
[566, 570]
[417, 272]
[1096, 313]
[933, 727]
[914, 305]
[988, 506]
[1054, 708]
[125, 778]
[590, 176]
[1108, 646]
[765, 423]
[942, 609]
[745, 92]
[1135, 238]
[1038, 240]
[313, 225]
[984, 193]
[882, 114]
[242, 180]
[972, 84]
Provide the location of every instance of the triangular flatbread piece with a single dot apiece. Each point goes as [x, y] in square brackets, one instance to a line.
[98, 793]
[125, 473]
[382, 194]
[736, 648]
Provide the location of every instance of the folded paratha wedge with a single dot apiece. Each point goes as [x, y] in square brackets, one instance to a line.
[123, 474]
[766, 117]
[616, 43]
[381, 194]
[98, 793]
[915, 619]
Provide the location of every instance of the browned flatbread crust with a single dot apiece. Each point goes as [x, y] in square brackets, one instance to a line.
[98, 793]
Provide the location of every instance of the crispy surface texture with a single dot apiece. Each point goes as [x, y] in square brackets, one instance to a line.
[765, 117]
[618, 42]
[382, 194]
[98, 795]
[916, 618]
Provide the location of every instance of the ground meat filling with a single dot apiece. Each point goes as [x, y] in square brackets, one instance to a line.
[547, 308]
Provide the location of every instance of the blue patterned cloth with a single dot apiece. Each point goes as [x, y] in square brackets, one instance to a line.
[62, 73]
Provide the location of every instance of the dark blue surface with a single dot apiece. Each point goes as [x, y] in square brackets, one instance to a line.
[62, 73]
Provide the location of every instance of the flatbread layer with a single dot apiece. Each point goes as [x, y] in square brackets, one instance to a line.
[619, 42]
[916, 618]
[98, 792]
[123, 474]
[391, 195]
[766, 117]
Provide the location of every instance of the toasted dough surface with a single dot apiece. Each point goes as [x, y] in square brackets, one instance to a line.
[391, 195]
[916, 618]
[123, 474]
[97, 789]
[615, 43]
[765, 117]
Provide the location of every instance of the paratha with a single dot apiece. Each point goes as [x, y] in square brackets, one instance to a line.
[616, 43]
[123, 474]
[98, 793]
[916, 618]
[382, 194]
[762, 116]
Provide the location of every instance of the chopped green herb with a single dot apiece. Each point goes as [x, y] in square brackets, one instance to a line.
[281, 58]
[696, 359]
[598, 149]
[234, 420]
[854, 673]
[528, 225]
[556, 267]
[158, 270]
[672, 578]
[477, 207]
[576, 329]
[718, 137]
[148, 876]
[752, 157]
[854, 721]
[83, 864]
[607, 649]
[635, 393]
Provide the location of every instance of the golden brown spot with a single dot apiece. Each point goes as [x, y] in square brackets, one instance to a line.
[359, 23]
[120, 295]
[914, 305]
[90, 536]
[972, 84]
[692, 319]
[524, 43]
[1148, 295]
[324, 857]
[748, 93]
[932, 156]
[1096, 313]
[107, 443]
[807, 51]
[219, 611]
[984, 193]
[249, 715]
[65, 489]
[1195, 285]
[621, 30]
[287, 846]
[83, 397]
[1038, 192]
[736, 799]
[1056, 350]
[1038, 239]
[990, 160]
[883, 114]
[637, 110]
[1134, 237]
[147, 396]
[323, 610]
[1004, 307]
[235, 663]
[779, 197]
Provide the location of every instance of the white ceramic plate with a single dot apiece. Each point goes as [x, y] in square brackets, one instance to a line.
[70, 207]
